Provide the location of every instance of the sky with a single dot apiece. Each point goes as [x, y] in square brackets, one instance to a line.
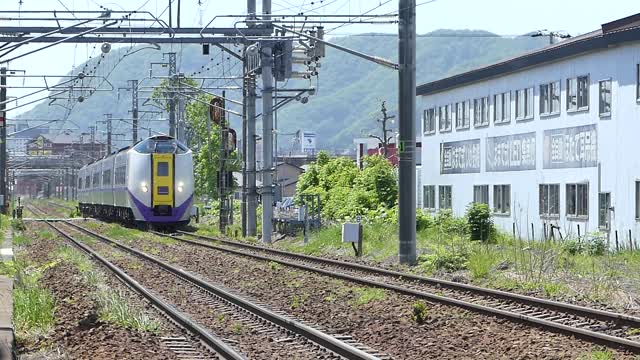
[504, 17]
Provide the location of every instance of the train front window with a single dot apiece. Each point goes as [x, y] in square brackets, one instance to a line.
[160, 146]
[163, 169]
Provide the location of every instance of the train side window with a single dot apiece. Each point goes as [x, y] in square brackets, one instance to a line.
[163, 169]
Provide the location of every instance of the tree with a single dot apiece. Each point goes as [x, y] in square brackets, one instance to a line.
[205, 144]
[384, 139]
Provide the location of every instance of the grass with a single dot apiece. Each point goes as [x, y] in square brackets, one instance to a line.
[122, 233]
[113, 307]
[19, 239]
[598, 355]
[33, 306]
[366, 295]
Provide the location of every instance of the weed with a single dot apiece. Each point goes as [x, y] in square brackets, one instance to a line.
[419, 312]
[275, 266]
[21, 240]
[603, 354]
[237, 329]
[481, 262]
[444, 259]
[553, 289]
[74, 257]
[221, 318]
[633, 332]
[47, 235]
[122, 233]
[298, 300]
[18, 225]
[33, 306]
[8, 268]
[113, 307]
[364, 296]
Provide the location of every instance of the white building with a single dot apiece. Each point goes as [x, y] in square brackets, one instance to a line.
[549, 137]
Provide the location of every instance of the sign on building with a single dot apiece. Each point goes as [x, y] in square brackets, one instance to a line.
[574, 147]
[460, 157]
[308, 142]
[511, 153]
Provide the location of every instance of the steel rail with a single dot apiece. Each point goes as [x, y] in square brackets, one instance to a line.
[549, 304]
[212, 341]
[329, 342]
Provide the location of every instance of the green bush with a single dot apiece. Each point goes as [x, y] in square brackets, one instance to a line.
[419, 312]
[447, 223]
[423, 220]
[18, 224]
[479, 220]
[597, 246]
[445, 260]
[573, 246]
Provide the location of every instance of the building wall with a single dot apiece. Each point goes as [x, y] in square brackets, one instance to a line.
[617, 167]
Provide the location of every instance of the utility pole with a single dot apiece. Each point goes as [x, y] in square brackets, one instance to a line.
[252, 194]
[384, 140]
[172, 94]
[407, 130]
[133, 85]
[109, 130]
[267, 131]
[3, 140]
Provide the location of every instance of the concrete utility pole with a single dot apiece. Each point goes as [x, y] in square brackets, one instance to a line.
[267, 131]
[172, 94]
[3, 139]
[133, 85]
[249, 142]
[407, 130]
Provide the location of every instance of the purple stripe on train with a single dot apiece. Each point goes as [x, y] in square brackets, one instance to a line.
[147, 212]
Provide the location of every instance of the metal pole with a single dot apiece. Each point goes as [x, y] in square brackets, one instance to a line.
[243, 205]
[267, 132]
[108, 133]
[133, 84]
[252, 195]
[172, 94]
[3, 139]
[407, 130]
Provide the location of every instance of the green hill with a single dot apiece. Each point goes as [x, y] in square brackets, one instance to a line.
[349, 89]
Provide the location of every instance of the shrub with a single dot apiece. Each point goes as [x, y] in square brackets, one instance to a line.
[445, 260]
[479, 220]
[423, 220]
[573, 247]
[597, 246]
[18, 224]
[419, 312]
[449, 224]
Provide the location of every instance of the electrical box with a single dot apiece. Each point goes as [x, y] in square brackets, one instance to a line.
[350, 232]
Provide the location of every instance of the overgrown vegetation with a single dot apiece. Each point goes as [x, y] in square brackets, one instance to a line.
[33, 306]
[365, 295]
[419, 312]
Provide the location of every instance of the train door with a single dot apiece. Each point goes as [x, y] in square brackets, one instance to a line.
[162, 183]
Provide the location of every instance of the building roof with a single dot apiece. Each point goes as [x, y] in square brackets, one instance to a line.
[64, 138]
[610, 34]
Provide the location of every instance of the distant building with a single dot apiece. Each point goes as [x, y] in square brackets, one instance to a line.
[371, 146]
[287, 176]
[548, 138]
[65, 144]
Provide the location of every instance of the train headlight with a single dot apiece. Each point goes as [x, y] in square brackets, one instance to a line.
[144, 187]
[180, 186]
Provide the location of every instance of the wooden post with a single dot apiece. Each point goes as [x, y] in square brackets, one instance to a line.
[533, 234]
[617, 244]
[578, 233]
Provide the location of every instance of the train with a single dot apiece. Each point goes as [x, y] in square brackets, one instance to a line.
[149, 183]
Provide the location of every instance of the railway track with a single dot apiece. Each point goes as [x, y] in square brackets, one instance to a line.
[605, 327]
[179, 345]
[304, 341]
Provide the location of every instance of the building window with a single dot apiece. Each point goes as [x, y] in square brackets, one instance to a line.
[578, 93]
[481, 194]
[605, 97]
[502, 199]
[445, 197]
[550, 98]
[524, 104]
[481, 112]
[578, 200]
[444, 116]
[429, 197]
[549, 200]
[429, 121]
[463, 114]
[502, 108]
[637, 200]
[604, 203]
